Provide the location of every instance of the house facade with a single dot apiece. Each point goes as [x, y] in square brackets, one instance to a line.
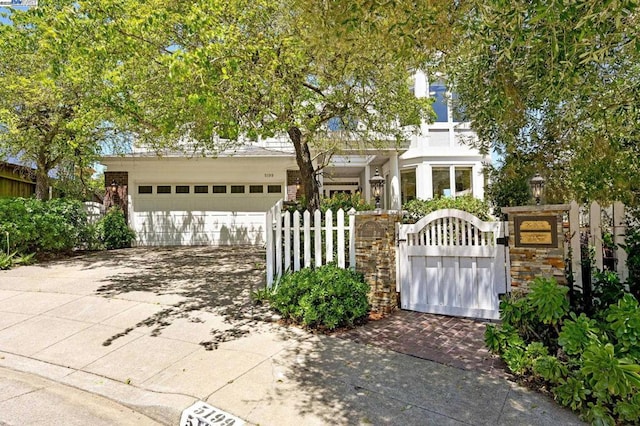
[178, 199]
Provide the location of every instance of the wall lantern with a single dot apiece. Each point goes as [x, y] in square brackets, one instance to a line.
[114, 186]
[377, 183]
[537, 184]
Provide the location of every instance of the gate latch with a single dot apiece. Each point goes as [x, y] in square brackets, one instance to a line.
[503, 241]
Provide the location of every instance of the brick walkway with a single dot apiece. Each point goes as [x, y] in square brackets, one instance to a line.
[458, 342]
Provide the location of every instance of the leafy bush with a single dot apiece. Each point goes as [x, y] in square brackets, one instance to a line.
[345, 202]
[417, 209]
[36, 226]
[327, 297]
[112, 230]
[590, 364]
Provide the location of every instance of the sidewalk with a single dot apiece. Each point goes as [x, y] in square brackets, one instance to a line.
[134, 327]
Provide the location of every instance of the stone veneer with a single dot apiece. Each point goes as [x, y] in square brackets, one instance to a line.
[527, 263]
[375, 241]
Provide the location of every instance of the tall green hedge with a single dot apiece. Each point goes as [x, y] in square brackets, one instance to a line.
[32, 225]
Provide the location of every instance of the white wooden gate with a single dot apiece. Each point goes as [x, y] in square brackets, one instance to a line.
[452, 263]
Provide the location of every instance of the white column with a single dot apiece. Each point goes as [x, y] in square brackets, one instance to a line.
[477, 181]
[366, 186]
[423, 182]
[452, 180]
[395, 201]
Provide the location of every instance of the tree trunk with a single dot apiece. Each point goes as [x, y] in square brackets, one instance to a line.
[42, 183]
[307, 172]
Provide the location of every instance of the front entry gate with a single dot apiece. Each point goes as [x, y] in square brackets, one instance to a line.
[453, 263]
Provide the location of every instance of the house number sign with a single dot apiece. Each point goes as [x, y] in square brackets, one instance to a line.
[203, 414]
[536, 231]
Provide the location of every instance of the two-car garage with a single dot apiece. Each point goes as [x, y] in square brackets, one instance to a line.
[200, 201]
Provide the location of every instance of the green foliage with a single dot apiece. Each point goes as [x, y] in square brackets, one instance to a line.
[34, 226]
[578, 333]
[50, 112]
[606, 289]
[345, 202]
[537, 78]
[550, 369]
[549, 300]
[24, 259]
[6, 260]
[113, 231]
[623, 320]
[604, 372]
[632, 247]
[327, 297]
[590, 364]
[417, 209]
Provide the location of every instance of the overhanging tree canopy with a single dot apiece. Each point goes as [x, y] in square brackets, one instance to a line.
[242, 68]
[48, 110]
[558, 82]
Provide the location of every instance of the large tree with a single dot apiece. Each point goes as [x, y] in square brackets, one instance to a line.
[559, 83]
[48, 117]
[221, 72]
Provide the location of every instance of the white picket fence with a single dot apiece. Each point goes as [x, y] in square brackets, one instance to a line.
[296, 241]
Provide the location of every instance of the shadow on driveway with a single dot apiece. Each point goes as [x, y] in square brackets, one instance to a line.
[218, 280]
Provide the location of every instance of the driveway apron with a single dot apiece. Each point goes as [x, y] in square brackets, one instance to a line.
[157, 329]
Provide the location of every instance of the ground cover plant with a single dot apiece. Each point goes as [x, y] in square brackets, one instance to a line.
[323, 298]
[590, 364]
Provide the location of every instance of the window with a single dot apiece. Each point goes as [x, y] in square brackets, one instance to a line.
[274, 189]
[182, 189]
[237, 189]
[459, 114]
[408, 185]
[463, 181]
[256, 189]
[219, 189]
[145, 189]
[443, 183]
[200, 189]
[438, 91]
[163, 189]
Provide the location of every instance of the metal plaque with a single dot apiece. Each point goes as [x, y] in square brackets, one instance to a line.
[536, 231]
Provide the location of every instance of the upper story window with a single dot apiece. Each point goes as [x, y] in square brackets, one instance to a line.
[438, 91]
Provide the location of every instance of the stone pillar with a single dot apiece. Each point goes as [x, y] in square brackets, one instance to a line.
[537, 244]
[376, 257]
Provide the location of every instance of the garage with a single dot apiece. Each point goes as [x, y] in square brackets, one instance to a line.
[174, 200]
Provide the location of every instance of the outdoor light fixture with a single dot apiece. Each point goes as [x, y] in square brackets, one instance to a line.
[377, 183]
[537, 184]
[114, 186]
[297, 184]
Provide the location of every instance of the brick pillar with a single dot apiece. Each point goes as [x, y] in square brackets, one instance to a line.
[375, 241]
[537, 243]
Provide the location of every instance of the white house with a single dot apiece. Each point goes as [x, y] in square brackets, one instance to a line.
[189, 200]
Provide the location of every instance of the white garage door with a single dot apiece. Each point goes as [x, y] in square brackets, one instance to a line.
[201, 214]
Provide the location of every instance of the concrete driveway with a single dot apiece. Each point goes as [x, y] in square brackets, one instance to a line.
[154, 330]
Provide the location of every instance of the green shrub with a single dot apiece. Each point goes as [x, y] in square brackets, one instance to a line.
[112, 230]
[36, 226]
[417, 209]
[327, 297]
[589, 364]
[345, 202]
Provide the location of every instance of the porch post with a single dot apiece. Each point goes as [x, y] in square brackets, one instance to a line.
[365, 185]
[395, 202]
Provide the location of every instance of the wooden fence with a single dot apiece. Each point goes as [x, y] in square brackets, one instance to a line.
[295, 241]
[603, 229]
